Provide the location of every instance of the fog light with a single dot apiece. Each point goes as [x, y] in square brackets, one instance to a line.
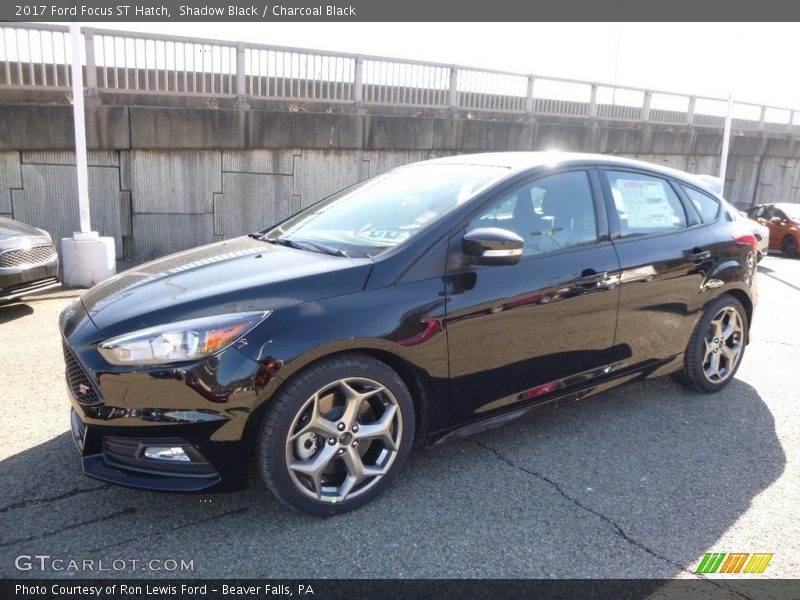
[166, 453]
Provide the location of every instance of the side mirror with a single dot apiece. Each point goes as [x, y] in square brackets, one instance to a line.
[493, 246]
[776, 220]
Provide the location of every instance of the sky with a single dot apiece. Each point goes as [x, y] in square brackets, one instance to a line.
[752, 61]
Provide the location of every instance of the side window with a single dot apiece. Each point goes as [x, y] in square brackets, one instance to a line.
[707, 207]
[550, 213]
[757, 212]
[645, 204]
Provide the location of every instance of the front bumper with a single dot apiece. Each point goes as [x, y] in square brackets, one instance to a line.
[15, 283]
[204, 408]
[121, 459]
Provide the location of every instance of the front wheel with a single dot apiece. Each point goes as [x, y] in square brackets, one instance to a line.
[337, 435]
[716, 347]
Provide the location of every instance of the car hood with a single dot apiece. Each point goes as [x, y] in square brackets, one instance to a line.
[10, 228]
[236, 275]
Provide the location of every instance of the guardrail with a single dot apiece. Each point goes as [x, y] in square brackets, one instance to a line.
[34, 56]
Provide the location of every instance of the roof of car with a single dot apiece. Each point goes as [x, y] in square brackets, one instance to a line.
[521, 161]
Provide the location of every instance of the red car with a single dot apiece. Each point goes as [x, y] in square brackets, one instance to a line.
[783, 221]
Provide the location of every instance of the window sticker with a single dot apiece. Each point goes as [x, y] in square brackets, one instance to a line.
[644, 204]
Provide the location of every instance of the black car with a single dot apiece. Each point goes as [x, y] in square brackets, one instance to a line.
[433, 301]
[28, 260]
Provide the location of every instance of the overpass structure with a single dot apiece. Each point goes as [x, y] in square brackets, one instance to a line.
[193, 140]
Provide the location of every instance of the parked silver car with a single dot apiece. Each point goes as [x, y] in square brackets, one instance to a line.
[28, 260]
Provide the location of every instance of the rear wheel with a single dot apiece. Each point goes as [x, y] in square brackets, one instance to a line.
[716, 347]
[789, 246]
[337, 435]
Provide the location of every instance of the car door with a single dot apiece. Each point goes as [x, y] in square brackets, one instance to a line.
[779, 227]
[763, 214]
[665, 252]
[525, 333]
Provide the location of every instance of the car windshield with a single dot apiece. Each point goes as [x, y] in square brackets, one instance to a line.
[792, 211]
[384, 211]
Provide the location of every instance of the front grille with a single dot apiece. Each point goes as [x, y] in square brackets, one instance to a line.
[37, 255]
[78, 379]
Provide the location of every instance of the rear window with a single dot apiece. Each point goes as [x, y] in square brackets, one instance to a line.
[707, 207]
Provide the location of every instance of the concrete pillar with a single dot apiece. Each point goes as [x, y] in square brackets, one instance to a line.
[690, 111]
[241, 91]
[92, 93]
[452, 101]
[358, 83]
[593, 102]
[648, 97]
[529, 97]
[87, 259]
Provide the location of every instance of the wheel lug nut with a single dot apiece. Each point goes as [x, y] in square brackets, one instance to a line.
[340, 451]
[355, 428]
[355, 443]
[331, 441]
[340, 427]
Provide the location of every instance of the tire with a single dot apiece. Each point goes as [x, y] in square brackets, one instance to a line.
[789, 246]
[336, 435]
[699, 372]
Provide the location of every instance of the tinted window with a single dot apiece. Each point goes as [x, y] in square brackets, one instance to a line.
[551, 213]
[645, 204]
[707, 207]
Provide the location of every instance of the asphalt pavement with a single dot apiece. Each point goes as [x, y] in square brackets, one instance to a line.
[640, 481]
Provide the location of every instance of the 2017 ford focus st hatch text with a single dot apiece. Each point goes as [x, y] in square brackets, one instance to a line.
[435, 300]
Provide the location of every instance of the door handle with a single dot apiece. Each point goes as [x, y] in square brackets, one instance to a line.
[699, 255]
[589, 277]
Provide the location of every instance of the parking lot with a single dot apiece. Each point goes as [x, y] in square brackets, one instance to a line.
[637, 482]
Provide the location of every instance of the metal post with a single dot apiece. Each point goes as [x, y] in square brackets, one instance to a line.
[648, 97]
[690, 111]
[723, 160]
[241, 92]
[593, 102]
[790, 126]
[358, 83]
[529, 96]
[80, 129]
[761, 118]
[92, 93]
[453, 96]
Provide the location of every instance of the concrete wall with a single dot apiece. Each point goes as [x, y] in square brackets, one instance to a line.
[165, 179]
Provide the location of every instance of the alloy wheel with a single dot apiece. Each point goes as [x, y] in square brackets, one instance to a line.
[724, 342]
[344, 439]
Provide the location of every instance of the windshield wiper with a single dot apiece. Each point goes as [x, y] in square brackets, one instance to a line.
[304, 245]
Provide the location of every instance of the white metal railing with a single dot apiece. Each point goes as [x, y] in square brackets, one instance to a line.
[35, 56]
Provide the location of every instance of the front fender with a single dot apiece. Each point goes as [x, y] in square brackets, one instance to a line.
[403, 323]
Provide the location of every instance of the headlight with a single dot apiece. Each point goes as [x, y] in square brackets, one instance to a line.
[180, 341]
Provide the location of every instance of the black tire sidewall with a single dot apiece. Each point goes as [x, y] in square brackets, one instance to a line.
[693, 374]
[272, 439]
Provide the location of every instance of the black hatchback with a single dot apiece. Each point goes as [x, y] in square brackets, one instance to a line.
[432, 301]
